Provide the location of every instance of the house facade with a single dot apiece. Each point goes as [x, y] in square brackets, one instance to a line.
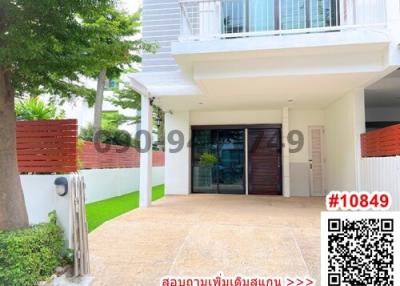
[263, 96]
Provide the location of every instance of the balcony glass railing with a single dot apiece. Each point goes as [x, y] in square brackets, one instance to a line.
[204, 19]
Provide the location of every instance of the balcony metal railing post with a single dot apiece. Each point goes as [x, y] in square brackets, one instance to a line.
[205, 19]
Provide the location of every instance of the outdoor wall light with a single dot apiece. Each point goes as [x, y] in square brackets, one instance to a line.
[61, 186]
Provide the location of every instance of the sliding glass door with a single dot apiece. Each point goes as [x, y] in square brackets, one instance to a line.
[293, 14]
[231, 161]
[218, 161]
[261, 15]
[234, 16]
[204, 161]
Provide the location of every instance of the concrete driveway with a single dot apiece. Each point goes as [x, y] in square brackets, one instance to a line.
[200, 235]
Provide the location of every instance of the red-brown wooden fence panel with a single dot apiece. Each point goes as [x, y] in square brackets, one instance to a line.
[113, 156]
[46, 146]
[382, 142]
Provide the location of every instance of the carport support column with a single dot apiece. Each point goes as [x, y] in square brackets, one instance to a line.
[358, 100]
[146, 143]
[285, 153]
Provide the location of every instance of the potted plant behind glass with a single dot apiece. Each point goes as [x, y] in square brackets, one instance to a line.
[206, 164]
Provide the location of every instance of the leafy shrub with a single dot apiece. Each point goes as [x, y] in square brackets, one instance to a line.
[208, 159]
[108, 135]
[30, 255]
[33, 108]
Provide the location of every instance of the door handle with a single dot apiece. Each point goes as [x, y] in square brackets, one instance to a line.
[310, 161]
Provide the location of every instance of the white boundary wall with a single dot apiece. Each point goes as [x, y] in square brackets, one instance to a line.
[382, 174]
[41, 198]
[102, 184]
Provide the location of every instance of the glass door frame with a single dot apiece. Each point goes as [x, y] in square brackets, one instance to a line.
[217, 128]
[244, 127]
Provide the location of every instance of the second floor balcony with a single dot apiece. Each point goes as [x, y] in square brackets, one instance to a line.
[224, 19]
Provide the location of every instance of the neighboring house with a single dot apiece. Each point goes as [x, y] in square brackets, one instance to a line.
[240, 77]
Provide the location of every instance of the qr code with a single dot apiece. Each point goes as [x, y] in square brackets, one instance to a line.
[359, 248]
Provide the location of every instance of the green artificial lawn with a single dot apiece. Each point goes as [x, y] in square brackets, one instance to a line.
[99, 212]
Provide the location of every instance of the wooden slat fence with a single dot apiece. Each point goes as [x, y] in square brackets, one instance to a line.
[115, 157]
[46, 146]
[382, 142]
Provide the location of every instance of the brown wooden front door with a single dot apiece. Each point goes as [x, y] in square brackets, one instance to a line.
[264, 161]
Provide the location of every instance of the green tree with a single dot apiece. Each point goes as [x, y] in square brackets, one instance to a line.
[44, 49]
[113, 119]
[128, 98]
[33, 108]
[116, 48]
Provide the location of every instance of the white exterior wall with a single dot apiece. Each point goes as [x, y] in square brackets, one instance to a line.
[180, 163]
[177, 165]
[102, 184]
[226, 117]
[300, 119]
[382, 175]
[345, 122]
[41, 197]
[286, 191]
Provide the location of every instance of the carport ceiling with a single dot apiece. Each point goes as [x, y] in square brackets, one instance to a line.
[310, 91]
[385, 92]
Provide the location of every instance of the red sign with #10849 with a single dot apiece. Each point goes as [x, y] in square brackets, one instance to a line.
[358, 201]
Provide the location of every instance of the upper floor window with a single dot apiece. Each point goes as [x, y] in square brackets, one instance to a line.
[240, 16]
[111, 84]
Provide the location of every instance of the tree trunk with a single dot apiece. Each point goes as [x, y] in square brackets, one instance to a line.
[13, 213]
[98, 107]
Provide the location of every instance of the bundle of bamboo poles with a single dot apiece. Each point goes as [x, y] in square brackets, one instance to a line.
[79, 225]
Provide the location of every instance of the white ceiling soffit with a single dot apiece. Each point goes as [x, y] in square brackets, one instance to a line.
[385, 92]
[303, 92]
[303, 44]
[160, 84]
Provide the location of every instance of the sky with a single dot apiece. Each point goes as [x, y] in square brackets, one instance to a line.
[130, 5]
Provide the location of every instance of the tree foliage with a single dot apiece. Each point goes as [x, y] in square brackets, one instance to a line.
[45, 46]
[128, 98]
[115, 44]
[32, 108]
[109, 135]
[113, 119]
[116, 48]
[48, 45]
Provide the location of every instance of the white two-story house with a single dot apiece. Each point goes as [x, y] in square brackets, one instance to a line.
[264, 96]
